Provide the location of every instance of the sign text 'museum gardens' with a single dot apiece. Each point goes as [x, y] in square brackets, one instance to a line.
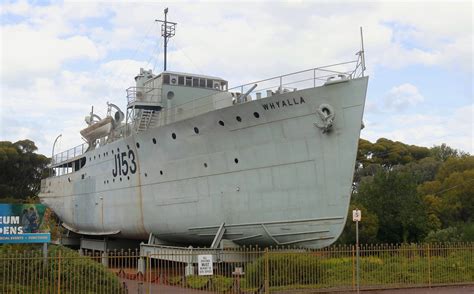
[24, 223]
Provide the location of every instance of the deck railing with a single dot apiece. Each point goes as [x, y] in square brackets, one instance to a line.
[242, 270]
[69, 154]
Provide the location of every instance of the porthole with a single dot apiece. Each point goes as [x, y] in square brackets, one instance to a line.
[170, 95]
[99, 155]
[221, 123]
[120, 179]
[146, 175]
[94, 156]
[69, 180]
[196, 130]
[138, 145]
[256, 114]
[154, 141]
[112, 152]
[104, 182]
[238, 118]
[236, 160]
[205, 164]
[128, 177]
[161, 172]
[113, 180]
[107, 181]
[173, 136]
[118, 150]
[90, 159]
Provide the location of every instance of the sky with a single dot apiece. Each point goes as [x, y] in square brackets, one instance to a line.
[60, 58]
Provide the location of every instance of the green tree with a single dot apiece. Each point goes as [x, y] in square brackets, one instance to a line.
[443, 152]
[392, 197]
[368, 227]
[21, 169]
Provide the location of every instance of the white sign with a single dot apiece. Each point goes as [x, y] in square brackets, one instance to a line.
[205, 265]
[356, 215]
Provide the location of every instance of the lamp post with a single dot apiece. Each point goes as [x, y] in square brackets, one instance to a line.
[52, 152]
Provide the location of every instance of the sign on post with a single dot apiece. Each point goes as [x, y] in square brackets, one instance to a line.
[24, 223]
[205, 265]
[356, 215]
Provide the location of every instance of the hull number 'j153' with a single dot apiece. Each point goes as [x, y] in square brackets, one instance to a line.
[124, 163]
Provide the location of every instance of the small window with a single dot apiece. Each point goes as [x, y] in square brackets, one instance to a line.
[138, 145]
[196, 130]
[189, 81]
[256, 114]
[209, 83]
[173, 136]
[236, 160]
[202, 83]
[238, 118]
[221, 123]
[180, 80]
[166, 79]
[161, 172]
[154, 141]
[195, 82]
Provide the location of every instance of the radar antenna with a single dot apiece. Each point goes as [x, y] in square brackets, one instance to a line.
[168, 30]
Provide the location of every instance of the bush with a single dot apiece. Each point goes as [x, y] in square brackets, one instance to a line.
[197, 282]
[85, 273]
[285, 268]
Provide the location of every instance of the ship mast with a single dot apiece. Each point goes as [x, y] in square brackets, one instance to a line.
[168, 30]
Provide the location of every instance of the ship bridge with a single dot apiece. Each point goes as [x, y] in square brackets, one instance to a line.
[153, 93]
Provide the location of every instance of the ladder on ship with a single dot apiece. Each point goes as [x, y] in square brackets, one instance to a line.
[146, 119]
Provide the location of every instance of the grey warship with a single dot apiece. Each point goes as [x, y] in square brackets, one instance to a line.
[266, 163]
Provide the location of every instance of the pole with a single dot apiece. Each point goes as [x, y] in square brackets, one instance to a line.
[357, 256]
[52, 153]
[45, 255]
[166, 36]
[362, 53]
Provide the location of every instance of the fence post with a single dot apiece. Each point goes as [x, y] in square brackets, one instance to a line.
[267, 274]
[59, 272]
[429, 265]
[353, 268]
[148, 270]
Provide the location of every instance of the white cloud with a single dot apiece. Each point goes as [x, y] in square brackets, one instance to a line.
[27, 52]
[402, 97]
[241, 42]
[454, 128]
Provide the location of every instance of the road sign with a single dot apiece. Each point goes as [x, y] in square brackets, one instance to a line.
[205, 265]
[356, 215]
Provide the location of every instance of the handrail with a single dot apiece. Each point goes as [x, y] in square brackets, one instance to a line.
[64, 156]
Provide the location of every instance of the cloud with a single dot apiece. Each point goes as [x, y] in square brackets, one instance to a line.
[402, 97]
[28, 52]
[251, 41]
[454, 128]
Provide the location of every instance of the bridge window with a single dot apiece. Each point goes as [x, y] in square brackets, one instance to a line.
[189, 81]
[180, 80]
[209, 83]
[195, 82]
[202, 83]
[166, 79]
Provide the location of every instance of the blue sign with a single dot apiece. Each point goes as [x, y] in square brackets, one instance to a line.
[24, 223]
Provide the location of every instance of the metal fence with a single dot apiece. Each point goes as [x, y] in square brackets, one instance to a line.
[243, 270]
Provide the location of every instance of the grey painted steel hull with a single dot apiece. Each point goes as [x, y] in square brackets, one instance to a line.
[291, 185]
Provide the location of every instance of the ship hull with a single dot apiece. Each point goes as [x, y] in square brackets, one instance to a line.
[271, 177]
